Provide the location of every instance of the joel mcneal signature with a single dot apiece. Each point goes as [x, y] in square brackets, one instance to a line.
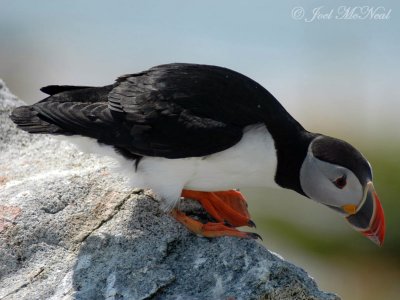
[322, 13]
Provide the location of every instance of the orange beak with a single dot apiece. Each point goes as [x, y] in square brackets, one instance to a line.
[369, 218]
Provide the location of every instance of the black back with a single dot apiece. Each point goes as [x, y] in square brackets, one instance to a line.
[172, 111]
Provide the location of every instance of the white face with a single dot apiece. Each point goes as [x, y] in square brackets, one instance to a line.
[330, 184]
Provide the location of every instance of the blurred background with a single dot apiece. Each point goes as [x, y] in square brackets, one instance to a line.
[336, 76]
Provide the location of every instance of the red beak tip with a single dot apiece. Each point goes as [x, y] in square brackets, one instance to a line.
[376, 240]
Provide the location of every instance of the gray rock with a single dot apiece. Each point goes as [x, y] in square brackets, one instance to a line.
[69, 229]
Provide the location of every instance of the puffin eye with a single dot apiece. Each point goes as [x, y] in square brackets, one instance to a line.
[340, 182]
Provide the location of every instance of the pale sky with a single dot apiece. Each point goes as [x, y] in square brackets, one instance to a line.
[331, 74]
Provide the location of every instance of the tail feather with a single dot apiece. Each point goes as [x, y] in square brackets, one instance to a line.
[26, 118]
[60, 113]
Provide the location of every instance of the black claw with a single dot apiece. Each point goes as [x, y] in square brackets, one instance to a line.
[251, 224]
[226, 223]
[254, 235]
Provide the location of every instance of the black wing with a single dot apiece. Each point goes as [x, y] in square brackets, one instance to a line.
[172, 111]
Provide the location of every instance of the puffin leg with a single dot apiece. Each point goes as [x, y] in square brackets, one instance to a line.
[210, 229]
[227, 206]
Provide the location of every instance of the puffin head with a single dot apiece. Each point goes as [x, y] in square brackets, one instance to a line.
[337, 175]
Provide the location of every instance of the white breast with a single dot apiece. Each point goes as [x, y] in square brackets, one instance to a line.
[251, 162]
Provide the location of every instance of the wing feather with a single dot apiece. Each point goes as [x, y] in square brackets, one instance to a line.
[172, 111]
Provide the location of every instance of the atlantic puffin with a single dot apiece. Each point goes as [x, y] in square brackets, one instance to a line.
[203, 132]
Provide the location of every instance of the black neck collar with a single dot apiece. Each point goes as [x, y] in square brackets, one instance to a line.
[291, 143]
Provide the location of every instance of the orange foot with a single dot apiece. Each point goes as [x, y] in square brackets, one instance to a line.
[228, 208]
[210, 229]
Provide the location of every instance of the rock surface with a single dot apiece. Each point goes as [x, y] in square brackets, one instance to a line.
[71, 230]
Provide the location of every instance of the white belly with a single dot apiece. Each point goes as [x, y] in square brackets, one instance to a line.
[251, 162]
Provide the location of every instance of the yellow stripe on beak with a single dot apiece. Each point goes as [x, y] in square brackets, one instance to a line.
[351, 209]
